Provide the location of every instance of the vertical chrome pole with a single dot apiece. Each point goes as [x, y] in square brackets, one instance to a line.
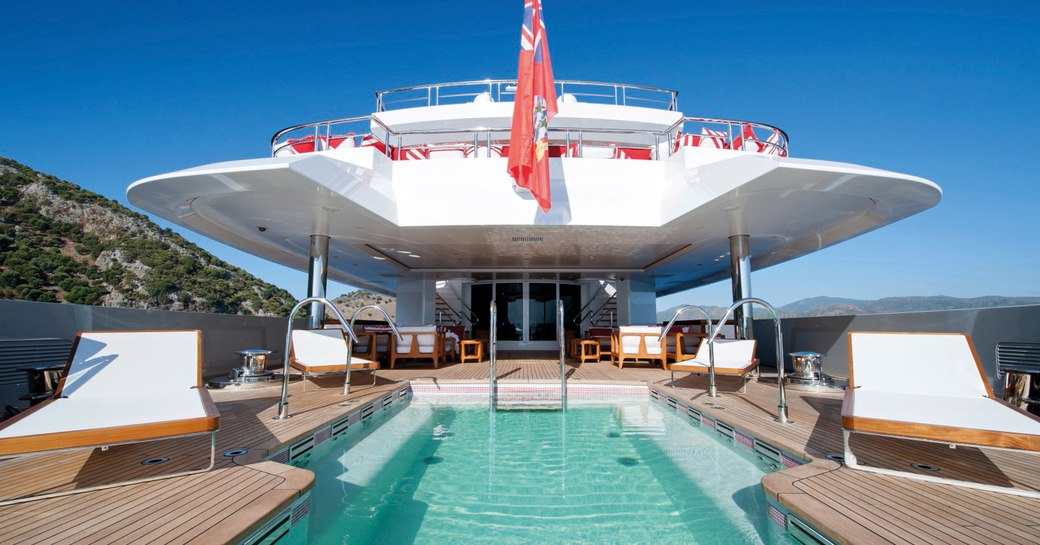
[492, 348]
[283, 404]
[781, 412]
[740, 278]
[317, 275]
[712, 391]
[563, 358]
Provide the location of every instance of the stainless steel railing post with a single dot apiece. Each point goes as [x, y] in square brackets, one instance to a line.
[492, 350]
[781, 412]
[350, 349]
[712, 391]
[283, 405]
[563, 354]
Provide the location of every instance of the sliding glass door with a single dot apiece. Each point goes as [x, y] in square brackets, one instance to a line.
[527, 312]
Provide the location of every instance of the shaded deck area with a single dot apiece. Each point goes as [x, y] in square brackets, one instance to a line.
[226, 504]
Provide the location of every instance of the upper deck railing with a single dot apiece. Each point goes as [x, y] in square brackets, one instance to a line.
[477, 142]
[460, 92]
[484, 141]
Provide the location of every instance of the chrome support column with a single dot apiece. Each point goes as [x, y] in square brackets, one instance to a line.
[740, 278]
[317, 275]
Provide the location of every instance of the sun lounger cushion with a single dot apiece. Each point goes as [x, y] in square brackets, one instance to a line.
[930, 386]
[732, 357]
[323, 350]
[119, 387]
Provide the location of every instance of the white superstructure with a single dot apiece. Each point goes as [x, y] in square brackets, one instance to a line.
[643, 197]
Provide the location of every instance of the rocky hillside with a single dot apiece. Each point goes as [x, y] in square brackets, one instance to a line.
[351, 301]
[62, 243]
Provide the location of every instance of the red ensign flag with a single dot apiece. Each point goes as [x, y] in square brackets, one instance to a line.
[534, 106]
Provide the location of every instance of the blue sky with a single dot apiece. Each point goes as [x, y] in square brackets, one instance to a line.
[103, 94]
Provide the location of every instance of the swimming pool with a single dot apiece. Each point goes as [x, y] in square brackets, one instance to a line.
[628, 472]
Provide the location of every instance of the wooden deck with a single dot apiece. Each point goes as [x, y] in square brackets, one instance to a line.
[226, 504]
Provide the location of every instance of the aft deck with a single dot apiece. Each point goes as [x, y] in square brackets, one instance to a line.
[228, 503]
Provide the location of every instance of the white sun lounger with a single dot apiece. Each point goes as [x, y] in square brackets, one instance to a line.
[733, 357]
[119, 387]
[315, 351]
[930, 387]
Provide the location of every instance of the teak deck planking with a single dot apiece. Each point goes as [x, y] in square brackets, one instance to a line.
[226, 504]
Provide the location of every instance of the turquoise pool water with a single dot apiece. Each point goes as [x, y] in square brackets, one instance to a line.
[624, 473]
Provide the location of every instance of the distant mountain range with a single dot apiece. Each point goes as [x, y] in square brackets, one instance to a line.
[838, 306]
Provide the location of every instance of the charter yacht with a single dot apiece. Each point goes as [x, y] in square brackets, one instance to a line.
[414, 200]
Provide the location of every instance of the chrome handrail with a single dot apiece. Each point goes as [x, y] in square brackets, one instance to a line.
[563, 133]
[498, 88]
[350, 347]
[327, 122]
[782, 145]
[283, 405]
[492, 349]
[712, 391]
[781, 415]
[580, 318]
[563, 358]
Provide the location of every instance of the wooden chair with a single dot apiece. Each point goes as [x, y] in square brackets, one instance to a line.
[420, 342]
[681, 344]
[639, 343]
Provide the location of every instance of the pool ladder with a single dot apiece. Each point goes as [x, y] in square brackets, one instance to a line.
[493, 355]
[782, 411]
[283, 404]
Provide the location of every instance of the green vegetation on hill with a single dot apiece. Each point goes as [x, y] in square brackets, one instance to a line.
[351, 301]
[62, 243]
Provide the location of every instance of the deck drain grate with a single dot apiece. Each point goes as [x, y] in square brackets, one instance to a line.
[835, 457]
[925, 467]
[155, 461]
[233, 453]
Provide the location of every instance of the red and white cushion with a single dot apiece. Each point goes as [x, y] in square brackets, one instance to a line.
[447, 152]
[708, 138]
[713, 139]
[296, 146]
[344, 141]
[632, 153]
[747, 140]
[774, 146]
[411, 154]
[370, 141]
[482, 152]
